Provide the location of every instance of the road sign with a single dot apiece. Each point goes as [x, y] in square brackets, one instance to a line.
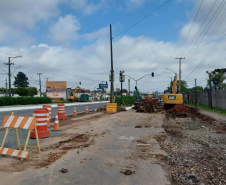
[103, 86]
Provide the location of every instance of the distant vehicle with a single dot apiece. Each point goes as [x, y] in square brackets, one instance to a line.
[85, 98]
[171, 99]
[72, 95]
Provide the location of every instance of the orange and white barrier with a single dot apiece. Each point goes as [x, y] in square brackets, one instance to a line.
[87, 110]
[13, 152]
[61, 111]
[56, 123]
[49, 107]
[42, 119]
[19, 122]
[75, 112]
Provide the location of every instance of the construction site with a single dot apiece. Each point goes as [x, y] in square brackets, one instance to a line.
[143, 145]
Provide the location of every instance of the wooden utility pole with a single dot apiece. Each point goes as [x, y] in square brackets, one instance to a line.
[40, 83]
[129, 86]
[195, 93]
[210, 89]
[6, 87]
[180, 73]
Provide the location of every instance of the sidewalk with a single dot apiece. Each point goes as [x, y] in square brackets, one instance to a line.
[213, 115]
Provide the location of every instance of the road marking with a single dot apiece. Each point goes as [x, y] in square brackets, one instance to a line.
[126, 138]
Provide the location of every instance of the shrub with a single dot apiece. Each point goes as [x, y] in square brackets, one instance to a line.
[23, 100]
[21, 91]
[128, 100]
[32, 91]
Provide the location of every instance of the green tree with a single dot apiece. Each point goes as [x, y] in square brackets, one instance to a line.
[32, 91]
[184, 87]
[197, 88]
[21, 80]
[217, 80]
[21, 91]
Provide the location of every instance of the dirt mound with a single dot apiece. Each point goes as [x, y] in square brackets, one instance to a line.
[151, 105]
[183, 111]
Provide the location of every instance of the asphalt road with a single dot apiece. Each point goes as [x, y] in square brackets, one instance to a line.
[122, 147]
[28, 111]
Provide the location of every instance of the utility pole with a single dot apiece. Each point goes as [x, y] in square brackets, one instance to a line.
[9, 64]
[112, 71]
[195, 93]
[210, 89]
[40, 83]
[180, 73]
[6, 87]
[129, 86]
[47, 79]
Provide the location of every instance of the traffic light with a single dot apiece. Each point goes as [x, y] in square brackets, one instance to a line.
[136, 87]
[152, 74]
[121, 76]
[80, 83]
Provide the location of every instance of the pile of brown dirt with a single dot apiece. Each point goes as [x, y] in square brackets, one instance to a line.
[183, 111]
[151, 105]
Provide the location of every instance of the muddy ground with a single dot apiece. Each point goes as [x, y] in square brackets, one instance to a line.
[196, 147]
[189, 146]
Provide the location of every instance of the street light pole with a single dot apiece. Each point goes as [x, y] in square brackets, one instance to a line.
[152, 74]
[9, 64]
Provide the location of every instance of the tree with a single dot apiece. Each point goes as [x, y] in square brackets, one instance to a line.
[197, 88]
[217, 80]
[21, 80]
[21, 91]
[32, 91]
[184, 87]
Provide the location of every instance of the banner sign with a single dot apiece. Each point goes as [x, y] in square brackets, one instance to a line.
[56, 86]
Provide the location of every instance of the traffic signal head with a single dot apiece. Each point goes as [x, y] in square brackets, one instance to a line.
[136, 87]
[152, 74]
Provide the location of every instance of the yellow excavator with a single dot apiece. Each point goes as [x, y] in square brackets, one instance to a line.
[172, 99]
[72, 95]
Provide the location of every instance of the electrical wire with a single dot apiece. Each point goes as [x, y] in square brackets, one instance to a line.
[145, 17]
[191, 26]
[200, 28]
[208, 26]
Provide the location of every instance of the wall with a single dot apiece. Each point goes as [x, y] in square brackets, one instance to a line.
[203, 98]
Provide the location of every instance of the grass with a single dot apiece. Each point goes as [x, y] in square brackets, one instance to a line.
[207, 108]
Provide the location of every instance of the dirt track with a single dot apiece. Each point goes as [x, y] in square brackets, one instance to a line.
[181, 145]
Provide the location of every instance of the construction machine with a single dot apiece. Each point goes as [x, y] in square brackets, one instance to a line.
[172, 99]
[72, 95]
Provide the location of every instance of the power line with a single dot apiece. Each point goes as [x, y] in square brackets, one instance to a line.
[212, 50]
[201, 27]
[142, 19]
[208, 26]
[191, 26]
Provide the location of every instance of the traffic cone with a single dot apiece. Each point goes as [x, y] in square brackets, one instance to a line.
[87, 111]
[56, 123]
[75, 113]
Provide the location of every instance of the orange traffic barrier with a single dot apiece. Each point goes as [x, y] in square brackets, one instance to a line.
[56, 123]
[18, 122]
[42, 119]
[61, 111]
[75, 113]
[49, 107]
[87, 110]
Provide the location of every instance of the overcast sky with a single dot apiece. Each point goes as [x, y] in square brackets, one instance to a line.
[69, 40]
